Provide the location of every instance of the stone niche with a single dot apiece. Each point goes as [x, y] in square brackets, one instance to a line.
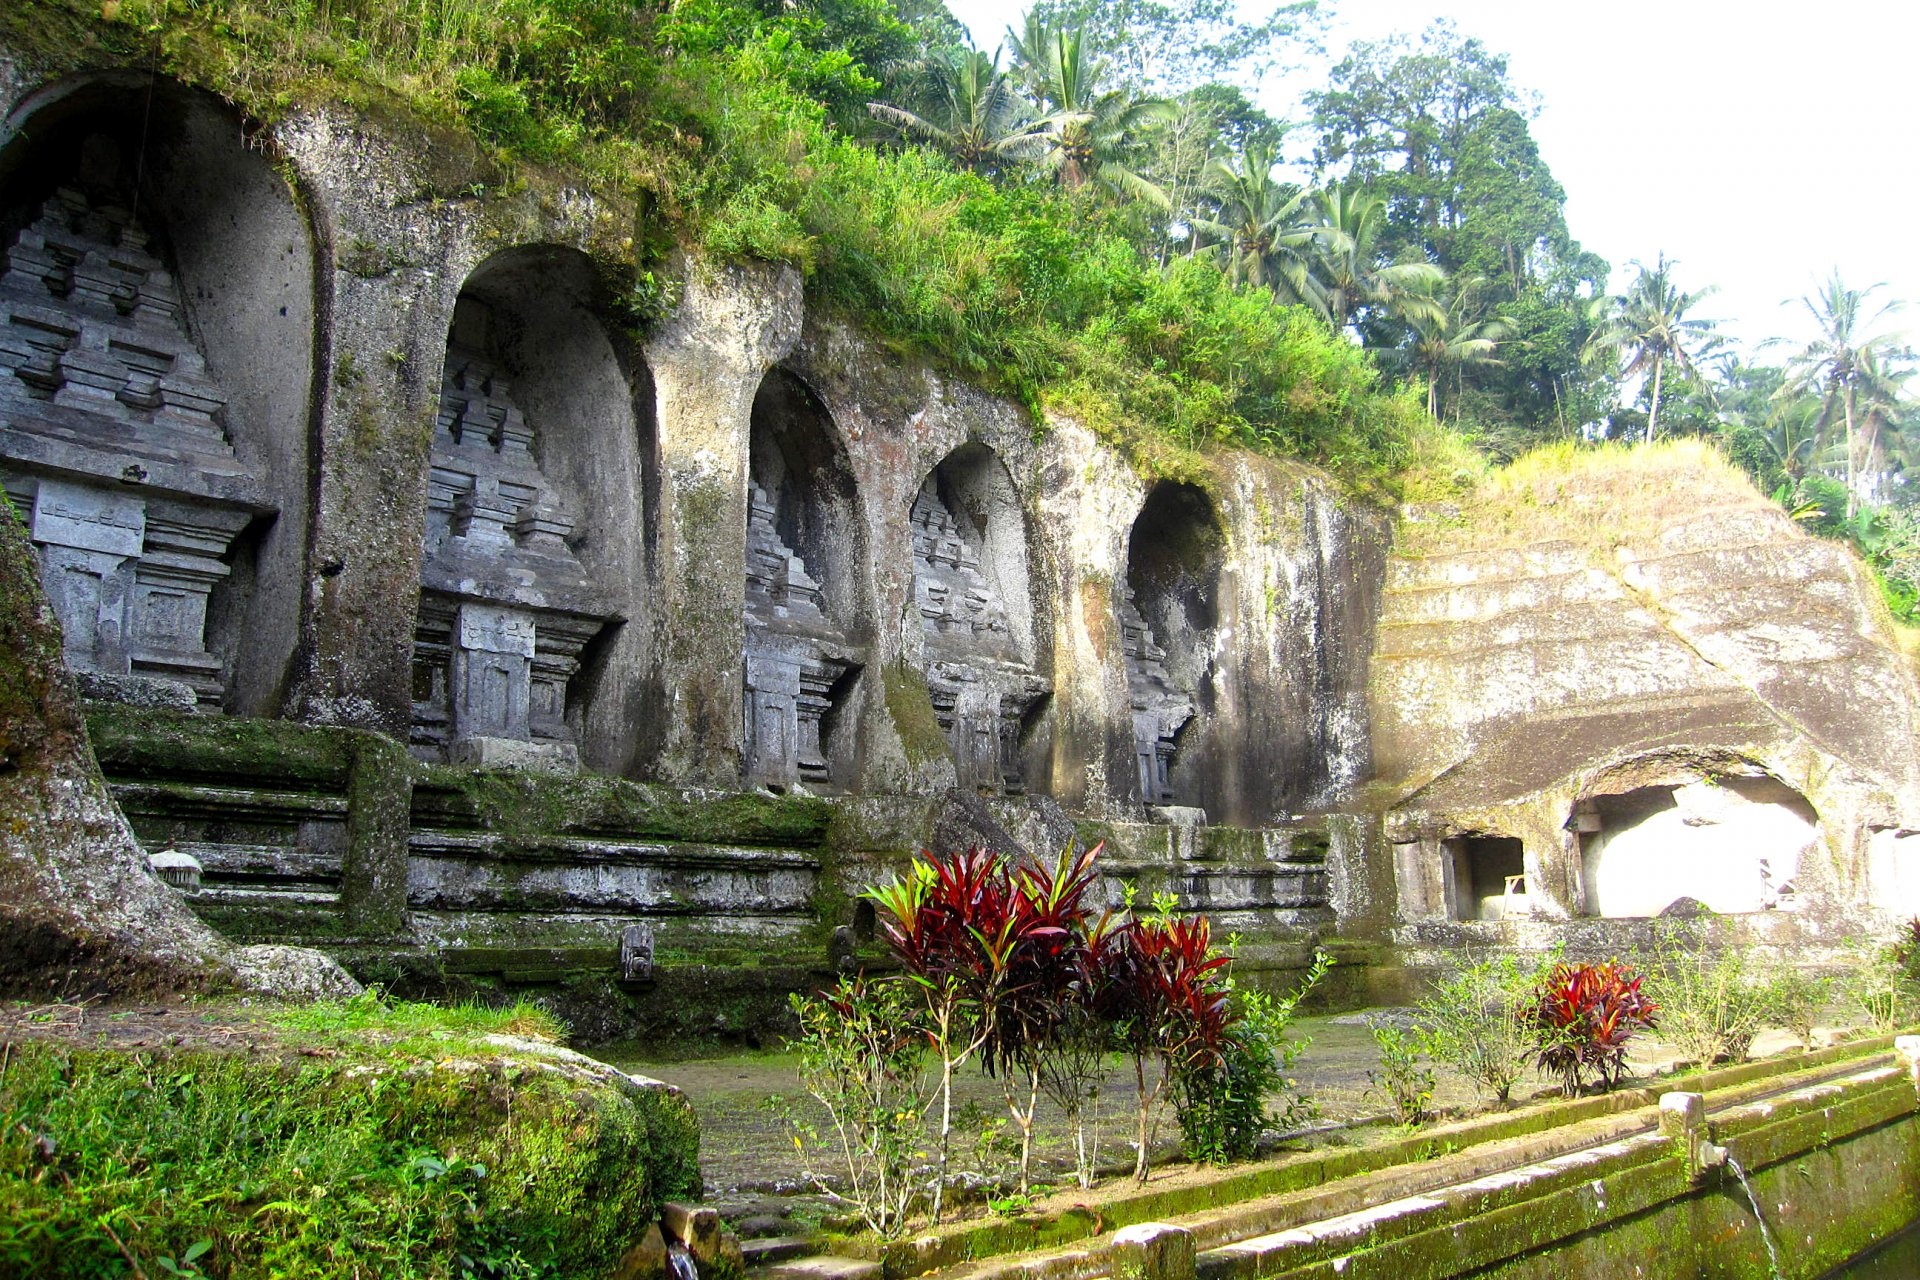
[149, 481]
[805, 551]
[1168, 622]
[970, 586]
[507, 606]
[1733, 843]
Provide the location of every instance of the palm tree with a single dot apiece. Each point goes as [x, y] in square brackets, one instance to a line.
[1833, 365]
[983, 121]
[1650, 323]
[1350, 269]
[1088, 130]
[1267, 227]
[1451, 339]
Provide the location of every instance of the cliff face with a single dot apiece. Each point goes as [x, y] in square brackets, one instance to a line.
[1599, 625]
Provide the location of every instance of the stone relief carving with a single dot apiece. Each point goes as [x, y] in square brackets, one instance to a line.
[506, 607]
[113, 441]
[981, 688]
[796, 658]
[1160, 709]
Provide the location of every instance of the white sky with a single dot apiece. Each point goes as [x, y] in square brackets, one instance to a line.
[1759, 145]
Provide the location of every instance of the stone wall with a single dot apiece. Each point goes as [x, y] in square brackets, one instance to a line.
[309, 422]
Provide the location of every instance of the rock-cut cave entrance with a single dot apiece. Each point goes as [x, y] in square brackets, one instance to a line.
[1733, 843]
[534, 540]
[1169, 614]
[157, 337]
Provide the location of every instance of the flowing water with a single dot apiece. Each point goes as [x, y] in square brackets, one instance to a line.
[1766, 1234]
[680, 1263]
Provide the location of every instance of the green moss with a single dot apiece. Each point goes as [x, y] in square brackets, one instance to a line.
[911, 708]
[137, 743]
[524, 808]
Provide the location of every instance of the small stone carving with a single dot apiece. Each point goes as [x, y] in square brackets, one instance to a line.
[636, 953]
[113, 439]
[1160, 710]
[981, 689]
[796, 658]
[506, 608]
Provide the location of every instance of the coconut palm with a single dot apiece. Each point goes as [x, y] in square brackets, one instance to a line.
[1088, 130]
[1452, 338]
[1650, 327]
[1266, 227]
[982, 121]
[1835, 364]
[1350, 268]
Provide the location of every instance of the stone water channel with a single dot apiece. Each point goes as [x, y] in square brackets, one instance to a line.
[1660, 1181]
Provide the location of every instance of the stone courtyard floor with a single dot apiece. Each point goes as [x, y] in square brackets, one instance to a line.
[756, 1176]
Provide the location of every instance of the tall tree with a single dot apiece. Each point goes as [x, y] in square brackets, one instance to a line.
[1267, 228]
[980, 120]
[1650, 328]
[1168, 46]
[1090, 130]
[1455, 337]
[1834, 364]
[1351, 269]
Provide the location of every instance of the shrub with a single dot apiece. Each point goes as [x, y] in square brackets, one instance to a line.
[1481, 1023]
[953, 927]
[1584, 1016]
[1401, 1076]
[1713, 1000]
[1223, 1106]
[1885, 982]
[863, 1058]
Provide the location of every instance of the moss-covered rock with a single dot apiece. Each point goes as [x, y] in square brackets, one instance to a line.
[503, 1157]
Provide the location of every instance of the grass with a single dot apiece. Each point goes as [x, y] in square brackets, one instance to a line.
[402, 1026]
[1595, 496]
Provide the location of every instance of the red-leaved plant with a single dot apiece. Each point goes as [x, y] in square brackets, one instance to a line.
[1584, 1015]
[1166, 995]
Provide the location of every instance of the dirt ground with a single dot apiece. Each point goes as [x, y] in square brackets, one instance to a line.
[747, 1148]
[150, 1025]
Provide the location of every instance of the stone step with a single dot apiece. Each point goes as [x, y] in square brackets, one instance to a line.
[772, 1249]
[819, 1267]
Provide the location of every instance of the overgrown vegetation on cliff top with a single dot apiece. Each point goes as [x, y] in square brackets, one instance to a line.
[340, 1152]
[735, 125]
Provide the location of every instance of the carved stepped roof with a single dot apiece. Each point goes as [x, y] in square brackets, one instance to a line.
[781, 594]
[106, 380]
[955, 598]
[497, 531]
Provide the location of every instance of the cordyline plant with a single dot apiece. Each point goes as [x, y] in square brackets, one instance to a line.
[1584, 1015]
[1165, 994]
[1044, 984]
[955, 928]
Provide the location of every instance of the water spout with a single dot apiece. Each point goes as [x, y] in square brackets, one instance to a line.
[1773, 1253]
[680, 1262]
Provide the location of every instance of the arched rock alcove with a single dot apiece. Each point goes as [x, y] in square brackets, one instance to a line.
[805, 621]
[976, 614]
[1732, 842]
[157, 348]
[535, 536]
[1169, 613]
